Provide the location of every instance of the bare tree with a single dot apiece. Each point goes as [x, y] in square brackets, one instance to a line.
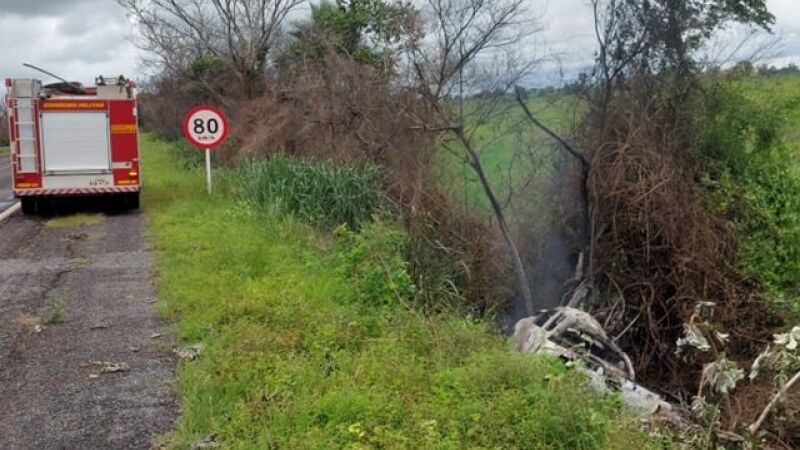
[740, 45]
[237, 33]
[474, 45]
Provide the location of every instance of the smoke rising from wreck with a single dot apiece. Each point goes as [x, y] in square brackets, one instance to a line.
[548, 225]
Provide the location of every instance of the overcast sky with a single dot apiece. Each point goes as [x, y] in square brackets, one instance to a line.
[80, 39]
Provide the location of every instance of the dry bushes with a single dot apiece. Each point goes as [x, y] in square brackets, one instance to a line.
[162, 110]
[344, 111]
[458, 260]
[658, 251]
[339, 109]
[171, 94]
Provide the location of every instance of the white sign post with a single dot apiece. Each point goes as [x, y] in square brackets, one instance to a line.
[206, 127]
[208, 170]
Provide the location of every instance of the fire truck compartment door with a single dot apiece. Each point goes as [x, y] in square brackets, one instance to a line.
[75, 142]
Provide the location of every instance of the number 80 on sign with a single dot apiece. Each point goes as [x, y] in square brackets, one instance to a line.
[205, 127]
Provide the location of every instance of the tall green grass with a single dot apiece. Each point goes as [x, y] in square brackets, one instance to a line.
[308, 346]
[317, 192]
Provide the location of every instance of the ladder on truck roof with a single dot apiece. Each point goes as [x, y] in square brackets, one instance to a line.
[26, 136]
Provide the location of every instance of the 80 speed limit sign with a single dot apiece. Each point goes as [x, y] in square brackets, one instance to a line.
[205, 127]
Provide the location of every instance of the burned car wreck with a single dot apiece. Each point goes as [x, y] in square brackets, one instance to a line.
[575, 337]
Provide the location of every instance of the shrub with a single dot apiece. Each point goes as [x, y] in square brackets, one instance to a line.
[188, 156]
[320, 193]
[372, 259]
[754, 181]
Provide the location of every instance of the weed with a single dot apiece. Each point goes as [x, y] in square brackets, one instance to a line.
[82, 261]
[29, 321]
[372, 260]
[81, 237]
[57, 311]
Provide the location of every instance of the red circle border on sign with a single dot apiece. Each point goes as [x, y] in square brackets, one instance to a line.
[188, 135]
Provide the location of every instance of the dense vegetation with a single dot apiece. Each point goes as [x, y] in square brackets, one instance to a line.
[309, 340]
[655, 193]
[747, 140]
[748, 145]
[751, 148]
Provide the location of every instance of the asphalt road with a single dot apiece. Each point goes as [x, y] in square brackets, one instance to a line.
[6, 195]
[76, 305]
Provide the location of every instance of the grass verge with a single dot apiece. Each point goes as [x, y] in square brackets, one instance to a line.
[74, 221]
[4, 151]
[292, 359]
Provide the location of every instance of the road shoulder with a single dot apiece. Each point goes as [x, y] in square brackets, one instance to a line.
[84, 358]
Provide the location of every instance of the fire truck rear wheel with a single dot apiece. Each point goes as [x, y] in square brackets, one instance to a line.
[30, 206]
[132, 201]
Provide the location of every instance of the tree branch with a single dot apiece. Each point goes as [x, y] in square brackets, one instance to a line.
[754, 427]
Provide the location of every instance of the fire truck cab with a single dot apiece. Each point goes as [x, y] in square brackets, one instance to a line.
[68, 140]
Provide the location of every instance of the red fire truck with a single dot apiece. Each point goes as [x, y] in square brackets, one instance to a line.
[68, 140]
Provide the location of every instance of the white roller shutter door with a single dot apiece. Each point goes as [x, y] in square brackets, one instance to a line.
[75, 142]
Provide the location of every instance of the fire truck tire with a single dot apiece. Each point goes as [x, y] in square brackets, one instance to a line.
[30, 205]
[132, 201]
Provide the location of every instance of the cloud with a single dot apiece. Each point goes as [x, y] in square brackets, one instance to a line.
[84, 38]
[38, 8]
[77, 39]
[568, 35]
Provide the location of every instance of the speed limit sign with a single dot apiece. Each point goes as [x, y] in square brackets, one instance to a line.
[205, 127]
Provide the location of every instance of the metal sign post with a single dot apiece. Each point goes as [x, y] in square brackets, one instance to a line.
[206, 127]
[208, 170]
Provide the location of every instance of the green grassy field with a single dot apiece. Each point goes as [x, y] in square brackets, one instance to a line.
[768, 90]
[4, 152]
[292, 358]
[514, 154]
[763, 181]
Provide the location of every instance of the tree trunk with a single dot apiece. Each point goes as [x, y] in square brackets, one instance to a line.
[519, 269]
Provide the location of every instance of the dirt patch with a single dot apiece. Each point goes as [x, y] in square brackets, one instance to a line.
[29, 322]
[74, 221]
